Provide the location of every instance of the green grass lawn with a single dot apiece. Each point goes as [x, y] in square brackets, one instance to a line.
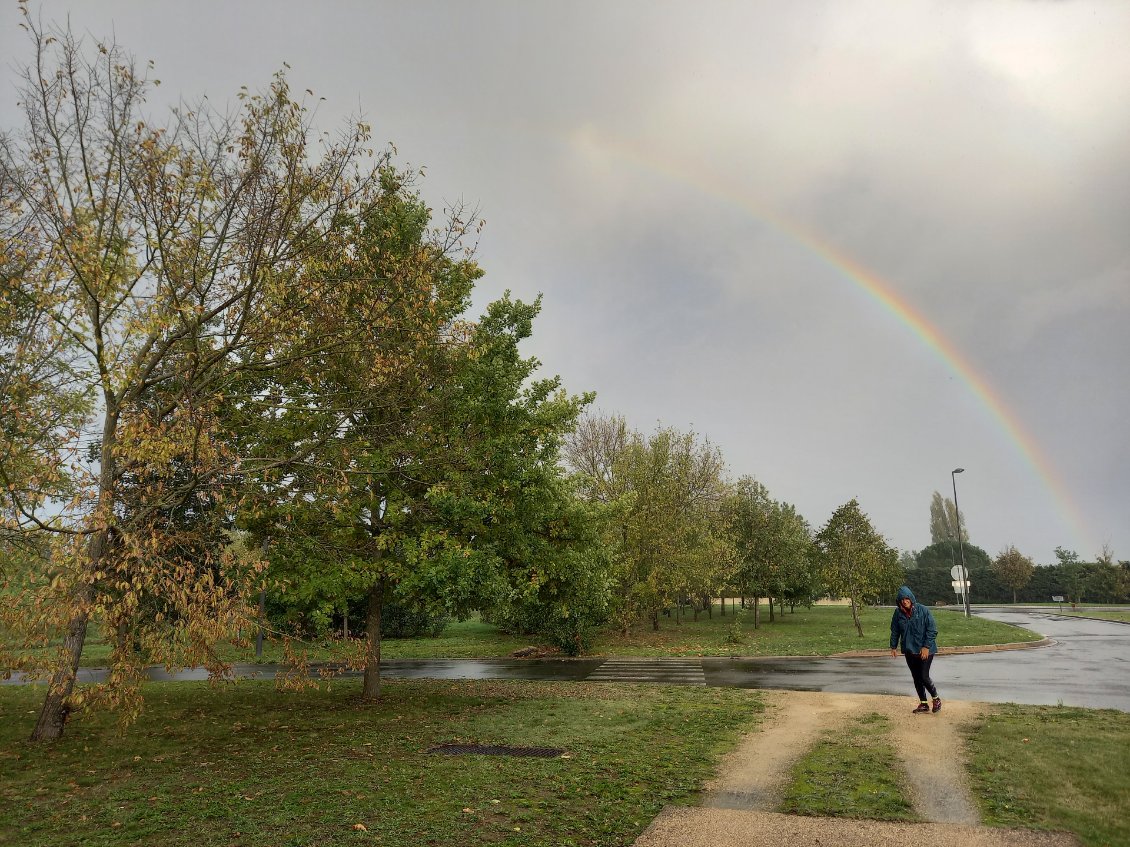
[247, 765]
[818, 631]
[1055, 768]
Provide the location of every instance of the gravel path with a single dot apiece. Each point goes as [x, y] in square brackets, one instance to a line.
[739, 804]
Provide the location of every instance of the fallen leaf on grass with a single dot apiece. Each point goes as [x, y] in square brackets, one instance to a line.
[360, 827]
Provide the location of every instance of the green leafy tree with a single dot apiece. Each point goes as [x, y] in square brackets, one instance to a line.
[665, 492]
[1066, 557]
[431, 471]
[749, 512]
[799, 581]
[1013, 569]
[931, 580]
[855, 560]
[556, 571]
[773, 548]
[672, 549]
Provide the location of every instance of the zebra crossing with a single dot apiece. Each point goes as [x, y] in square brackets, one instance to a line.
[671, 671]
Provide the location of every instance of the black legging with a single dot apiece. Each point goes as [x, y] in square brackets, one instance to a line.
[920, 670]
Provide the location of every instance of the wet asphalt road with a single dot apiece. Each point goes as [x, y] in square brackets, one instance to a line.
[1087, 665]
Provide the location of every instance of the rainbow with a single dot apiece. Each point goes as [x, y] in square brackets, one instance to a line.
[877, 290]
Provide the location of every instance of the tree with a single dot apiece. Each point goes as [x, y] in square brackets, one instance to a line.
[672, 547]
[855, 560]
[556, 572]
[772, 543]
[1066, 557]
[931, 580]
[944, 521]
[1105, 556]
[144, 268]
[593, 451]
[792, 578]
[749, 515]
[1013, 569]
[432, 475]
[664, 492]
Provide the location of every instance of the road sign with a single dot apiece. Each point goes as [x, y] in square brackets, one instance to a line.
[955, 572]
[960, 587]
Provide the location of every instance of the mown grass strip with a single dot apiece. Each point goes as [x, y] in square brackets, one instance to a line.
[1051, 767]
[1101, 614]
[850, 773]
[244, 764]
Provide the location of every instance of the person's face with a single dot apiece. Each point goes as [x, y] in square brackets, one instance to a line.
[905, 603]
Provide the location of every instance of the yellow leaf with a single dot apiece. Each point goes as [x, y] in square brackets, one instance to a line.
[360, 827]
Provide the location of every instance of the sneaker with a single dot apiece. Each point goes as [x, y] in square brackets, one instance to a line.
[921, 708]
[937, 705]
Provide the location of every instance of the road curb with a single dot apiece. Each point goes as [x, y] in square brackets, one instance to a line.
[952, 651]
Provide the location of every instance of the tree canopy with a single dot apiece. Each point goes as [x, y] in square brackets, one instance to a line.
[855, 560]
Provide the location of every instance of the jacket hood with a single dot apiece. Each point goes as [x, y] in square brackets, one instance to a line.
[906, 592]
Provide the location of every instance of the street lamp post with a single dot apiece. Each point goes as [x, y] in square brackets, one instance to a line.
[960, 546]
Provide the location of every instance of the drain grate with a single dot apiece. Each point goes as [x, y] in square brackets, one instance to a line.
[495, 750]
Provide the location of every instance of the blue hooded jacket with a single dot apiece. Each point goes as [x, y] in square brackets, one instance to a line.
[917, 630]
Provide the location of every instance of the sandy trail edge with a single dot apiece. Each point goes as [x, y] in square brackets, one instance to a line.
[738, 805]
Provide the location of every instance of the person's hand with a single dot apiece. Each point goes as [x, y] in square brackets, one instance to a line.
[894, 651]
[924, 653]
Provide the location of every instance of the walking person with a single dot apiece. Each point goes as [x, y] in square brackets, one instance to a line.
[914, 626]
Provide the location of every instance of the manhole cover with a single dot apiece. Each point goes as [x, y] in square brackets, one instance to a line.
[495, 750]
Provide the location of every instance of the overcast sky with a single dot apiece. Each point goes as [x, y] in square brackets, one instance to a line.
[687, 184]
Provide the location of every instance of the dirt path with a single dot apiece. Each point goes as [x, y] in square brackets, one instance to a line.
[740, 801]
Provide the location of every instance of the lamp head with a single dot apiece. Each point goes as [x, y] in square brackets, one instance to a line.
[958, 470]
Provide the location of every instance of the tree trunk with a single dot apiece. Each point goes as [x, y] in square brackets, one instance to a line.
[855, 617]
[772, 616]
[371, 687]
[655, 621]
[723, 605]
[56, 708]
[262, 617]
[345, 623]
[1014, 598]
[756, 612]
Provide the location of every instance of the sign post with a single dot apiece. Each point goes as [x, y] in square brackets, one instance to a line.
[960, 582]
